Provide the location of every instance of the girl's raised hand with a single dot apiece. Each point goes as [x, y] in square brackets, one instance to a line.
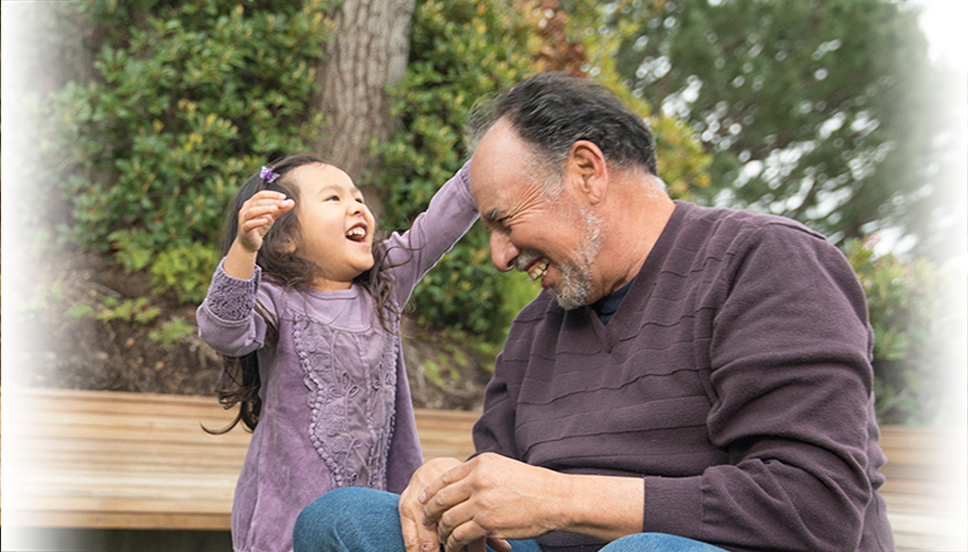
[255, 219]
[257, 216]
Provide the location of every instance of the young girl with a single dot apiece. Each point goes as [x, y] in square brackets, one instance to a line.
[308, 303]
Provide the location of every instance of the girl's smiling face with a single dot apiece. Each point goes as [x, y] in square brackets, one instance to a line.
[335, 226]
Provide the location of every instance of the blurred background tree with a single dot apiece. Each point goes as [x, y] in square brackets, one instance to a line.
[918, 338]
[820, 111]
[366, 54]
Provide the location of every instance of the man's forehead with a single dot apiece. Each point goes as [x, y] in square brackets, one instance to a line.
[499, 157]
[493, 186]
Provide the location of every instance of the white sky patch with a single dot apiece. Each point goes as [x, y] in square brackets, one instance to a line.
[943, 22]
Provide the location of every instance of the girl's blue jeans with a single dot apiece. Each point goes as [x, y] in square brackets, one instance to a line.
[364, 520]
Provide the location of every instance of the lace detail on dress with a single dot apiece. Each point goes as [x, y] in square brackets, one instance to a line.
[231, 298]
[352, 389]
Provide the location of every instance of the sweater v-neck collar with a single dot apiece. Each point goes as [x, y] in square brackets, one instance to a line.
[640, 288]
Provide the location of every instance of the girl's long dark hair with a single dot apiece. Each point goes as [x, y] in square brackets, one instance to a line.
[239, 381]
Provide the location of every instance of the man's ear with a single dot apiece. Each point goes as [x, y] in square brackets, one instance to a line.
[589, 171]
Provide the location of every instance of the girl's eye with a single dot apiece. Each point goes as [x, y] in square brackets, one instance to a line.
[333, 198]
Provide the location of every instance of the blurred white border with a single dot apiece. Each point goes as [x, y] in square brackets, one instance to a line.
[944, 23]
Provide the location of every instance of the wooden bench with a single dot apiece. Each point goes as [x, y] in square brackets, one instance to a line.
[926, 487]
[106, 459]
[95, 459]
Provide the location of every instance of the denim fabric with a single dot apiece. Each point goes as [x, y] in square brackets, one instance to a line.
[356, 519]
[658, 542]
[349, 518]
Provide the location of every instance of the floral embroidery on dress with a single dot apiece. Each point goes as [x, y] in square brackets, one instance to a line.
[351, 378]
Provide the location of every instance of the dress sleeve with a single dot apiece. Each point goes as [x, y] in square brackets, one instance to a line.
[792, 390]
[227, 320]
[433, 233]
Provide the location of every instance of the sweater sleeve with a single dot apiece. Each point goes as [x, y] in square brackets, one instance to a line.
[791, 382]
[495, 429]
[433, 233]
[227, 320]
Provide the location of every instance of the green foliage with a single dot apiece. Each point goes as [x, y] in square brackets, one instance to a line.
[132, 249]
[188, 98]
[682, 162]
[435, 370]
[460, 50]
[915, 310]
[171, 332]
[187, 269]
[130, 310]
[79, 312]
[814, 110]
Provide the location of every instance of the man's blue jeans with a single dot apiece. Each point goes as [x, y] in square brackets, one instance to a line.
[364, 520]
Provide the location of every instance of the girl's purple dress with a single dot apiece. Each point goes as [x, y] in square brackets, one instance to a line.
[336, 406]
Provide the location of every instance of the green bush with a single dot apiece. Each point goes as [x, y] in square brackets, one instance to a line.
[916, 311]
[187, 269]
[189, 97]
[460, 50]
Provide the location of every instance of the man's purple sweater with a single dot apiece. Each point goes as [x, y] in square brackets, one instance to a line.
[734, 380]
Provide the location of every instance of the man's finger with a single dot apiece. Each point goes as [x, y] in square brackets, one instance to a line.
[469, 535]
[418, 537]
[447, 478]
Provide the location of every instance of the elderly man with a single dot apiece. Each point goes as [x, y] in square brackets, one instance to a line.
[689, 378]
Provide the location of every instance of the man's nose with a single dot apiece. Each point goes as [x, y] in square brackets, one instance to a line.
[503, 252]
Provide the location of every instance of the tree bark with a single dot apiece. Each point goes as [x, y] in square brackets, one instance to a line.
[369, 53]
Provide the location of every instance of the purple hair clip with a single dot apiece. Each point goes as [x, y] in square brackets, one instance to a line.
[267, 174]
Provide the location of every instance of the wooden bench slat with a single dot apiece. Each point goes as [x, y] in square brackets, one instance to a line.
[939, 491]
[929, 457]
[914, 502]
[126, 478]
[121, 519]
[56, 421]
[187, 458]
[153, 435]
[178, 406]
[125, 503]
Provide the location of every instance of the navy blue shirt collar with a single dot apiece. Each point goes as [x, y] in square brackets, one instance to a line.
[606, 306]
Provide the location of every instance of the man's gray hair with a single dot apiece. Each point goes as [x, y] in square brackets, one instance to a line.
[551, 111]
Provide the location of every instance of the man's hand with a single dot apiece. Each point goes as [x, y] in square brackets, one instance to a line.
[418, 537]
[491, 496]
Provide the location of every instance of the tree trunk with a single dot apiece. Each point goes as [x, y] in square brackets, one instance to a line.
[369, 53]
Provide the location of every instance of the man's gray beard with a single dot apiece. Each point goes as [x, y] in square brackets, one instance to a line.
[574, 288]
[576, 280]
